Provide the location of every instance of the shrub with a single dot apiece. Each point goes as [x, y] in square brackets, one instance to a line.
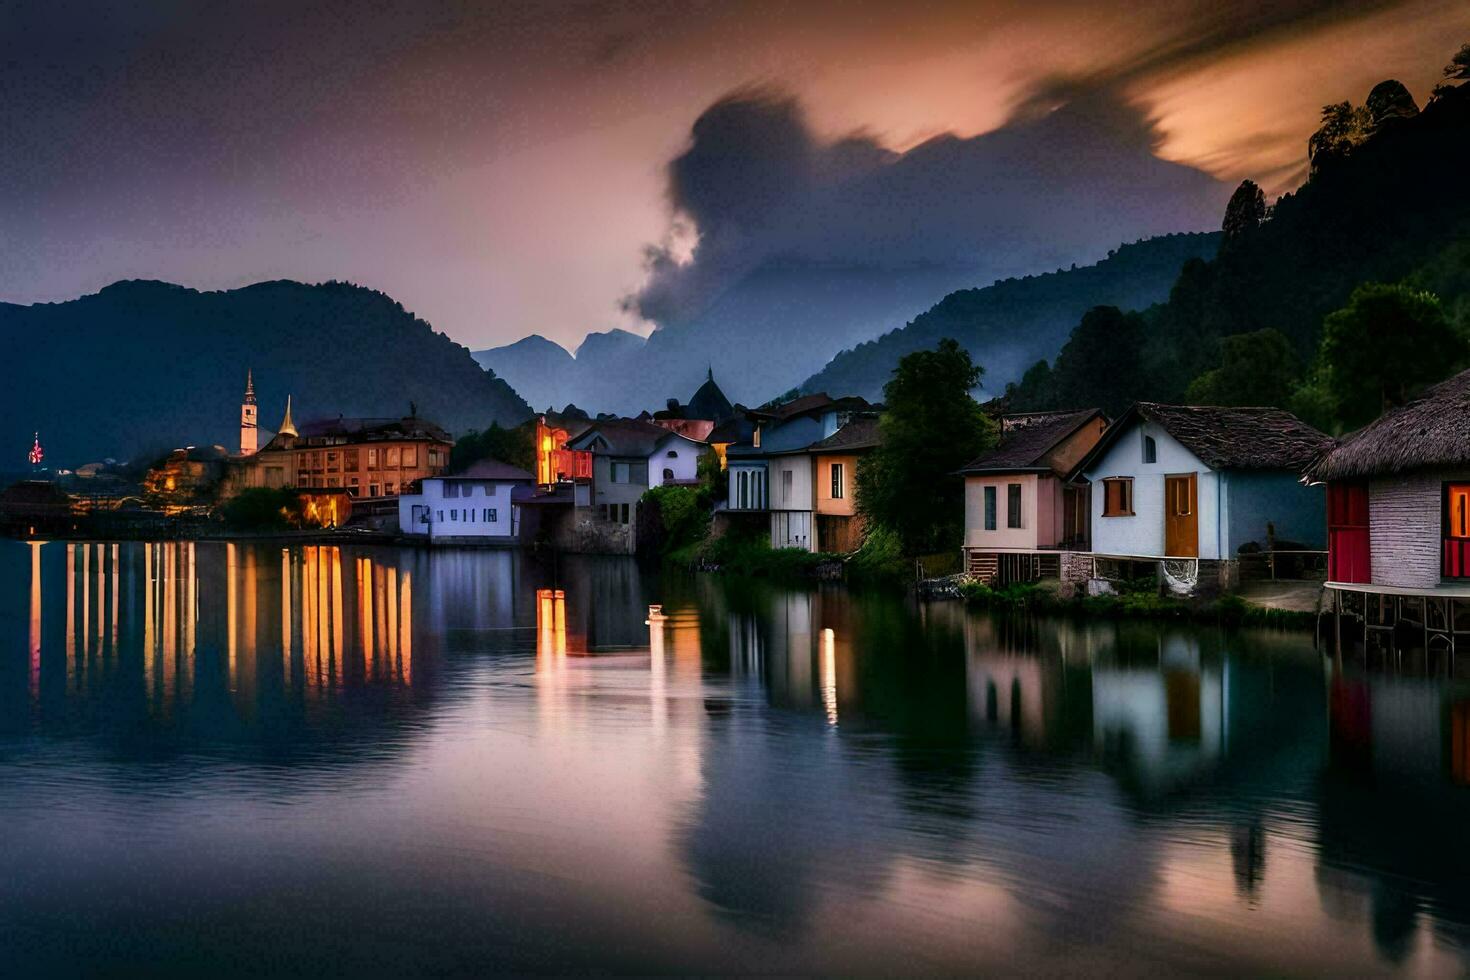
[262, 509]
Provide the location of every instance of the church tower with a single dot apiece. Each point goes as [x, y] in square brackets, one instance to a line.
[249, 433]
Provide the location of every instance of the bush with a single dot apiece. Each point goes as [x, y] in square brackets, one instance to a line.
[262, 509]
[681, 513]
[880, 559]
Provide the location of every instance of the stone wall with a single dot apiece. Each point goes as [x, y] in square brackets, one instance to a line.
[585, 533]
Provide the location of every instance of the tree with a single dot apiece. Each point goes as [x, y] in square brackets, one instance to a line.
[1459, 66]
[931, 427]
[1390, 99]
[1256, 368]
[1388, 342]
[1344, 127]
[1103, 363]
[514, 446]
[1245, 212]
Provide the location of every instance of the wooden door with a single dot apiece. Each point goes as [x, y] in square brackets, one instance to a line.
[1181, 522]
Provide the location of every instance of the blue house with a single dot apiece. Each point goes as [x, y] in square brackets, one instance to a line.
[1195, 484]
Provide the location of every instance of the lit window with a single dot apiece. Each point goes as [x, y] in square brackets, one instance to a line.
[1457, 510]
[410, 456]
[1118, 497]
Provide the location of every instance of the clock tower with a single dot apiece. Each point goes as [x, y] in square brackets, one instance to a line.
[249, 438]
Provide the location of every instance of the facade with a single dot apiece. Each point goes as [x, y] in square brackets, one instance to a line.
[1196, 484]
[475, 506]
[629, 456]
[778, 471]
[368, 458]
[1020, 509]
[838, 527]
[1398, 492]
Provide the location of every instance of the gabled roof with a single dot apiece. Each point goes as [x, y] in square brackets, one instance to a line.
[807, 405]
[1027, 439]
[860, 433]
[625, 437]
[1433, 430]
[491, 469]
[1224, 438]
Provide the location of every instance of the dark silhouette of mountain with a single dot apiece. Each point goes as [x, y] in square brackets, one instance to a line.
[540, 370]
[1385, 202]
[142, 367]
[545, 374]
[1010, 325]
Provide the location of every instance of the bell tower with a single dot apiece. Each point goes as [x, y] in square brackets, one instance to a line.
[249, 437]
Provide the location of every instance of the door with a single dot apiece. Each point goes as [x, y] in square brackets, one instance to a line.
[1181, 523]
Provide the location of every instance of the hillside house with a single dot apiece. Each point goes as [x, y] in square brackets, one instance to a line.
[1020, 509]
[1185, 488]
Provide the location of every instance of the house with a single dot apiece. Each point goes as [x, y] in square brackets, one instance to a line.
[1196, 483]
[1020, 509]
[629, 456]
[475, 506]
[555, 463]
[775, 472]
[839, 526]
[1398, 497]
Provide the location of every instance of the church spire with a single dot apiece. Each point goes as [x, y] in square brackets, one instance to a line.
[249, 387]
[249, 435]
[288, 428]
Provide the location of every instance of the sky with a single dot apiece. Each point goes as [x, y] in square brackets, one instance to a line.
[506, 169]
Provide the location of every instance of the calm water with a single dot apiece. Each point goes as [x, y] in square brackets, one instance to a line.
[240, 759]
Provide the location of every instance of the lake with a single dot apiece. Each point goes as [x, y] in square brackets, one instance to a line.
[238, 758]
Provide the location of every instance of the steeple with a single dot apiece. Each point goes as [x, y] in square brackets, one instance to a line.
[288, 428]
[249, 433]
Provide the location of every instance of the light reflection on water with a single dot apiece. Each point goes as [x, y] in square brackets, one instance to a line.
[244, 758]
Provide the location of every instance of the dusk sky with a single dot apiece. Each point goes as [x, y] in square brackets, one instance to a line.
[502, 169]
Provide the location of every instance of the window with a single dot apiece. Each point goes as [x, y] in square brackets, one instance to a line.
[786, 480]
[672, 454]
[742, 496]
[621, 473]
[990, 508]
[454, 515]
[668, 474]
[392, 456]
[1013, 505]
[1118, 496]
[1456, 548]
[373, 492]
[451, 489]
[390, 489]
[410, 456]
[1150, 450]
[490, 517]
[441, 517]
[350, 459]
[837, 487]
[373, 460]
[755, 439]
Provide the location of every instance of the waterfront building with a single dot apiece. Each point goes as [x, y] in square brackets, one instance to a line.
[478, 505]
[839, 526]
[369, 458]
[555, 463]
[1185, 488]
[1021, 511]
[775, 472]
[629, 456]
[1398, 508]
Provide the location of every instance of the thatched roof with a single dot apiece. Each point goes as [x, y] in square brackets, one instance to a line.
[1224, 438]
[1431, 431]
[1025, 441]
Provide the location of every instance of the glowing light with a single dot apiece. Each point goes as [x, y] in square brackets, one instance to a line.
[829, 674]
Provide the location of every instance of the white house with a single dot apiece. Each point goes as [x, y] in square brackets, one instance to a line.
[1193, 482]
[473, 506]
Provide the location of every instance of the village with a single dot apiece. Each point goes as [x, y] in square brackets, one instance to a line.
[1191, 503]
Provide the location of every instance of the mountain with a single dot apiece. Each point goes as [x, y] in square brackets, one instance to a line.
[142, 367]
[1010, 325]
[1385, 202]
[546, 375]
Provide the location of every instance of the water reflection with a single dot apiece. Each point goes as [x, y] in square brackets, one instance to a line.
[588, 765]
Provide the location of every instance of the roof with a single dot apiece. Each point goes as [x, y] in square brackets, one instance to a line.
[625, 437]
[1224, 438]
[737, 429]
[1027, 439]
[860, 433]
[372, 429]
[807, 404]
[709, 402]
[697, 429]
[490, 469]
[1433, 430]
[557, 496]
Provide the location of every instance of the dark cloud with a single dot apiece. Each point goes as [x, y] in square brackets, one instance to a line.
[1048, 189]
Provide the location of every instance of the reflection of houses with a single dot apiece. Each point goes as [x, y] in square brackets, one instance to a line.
[475, 506]
[1020, 510]
[777, 471]
[1197, 483]
[1398, 495]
